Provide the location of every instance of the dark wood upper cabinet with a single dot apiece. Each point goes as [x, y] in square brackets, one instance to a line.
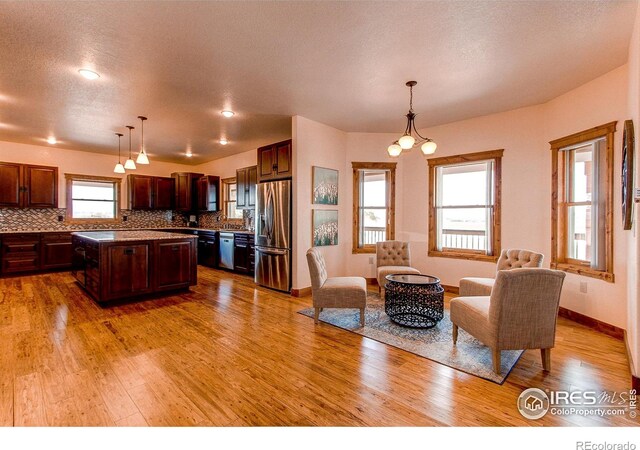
[28, 186]
[246, 180]
[10, 185]
[163, 190]
[140, 192]
[208, 193]
[185, 190]
[41, 187]
[147, 192]
[274, 161]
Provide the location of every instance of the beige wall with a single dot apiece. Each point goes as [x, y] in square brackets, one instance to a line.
[633, 240]
[316, 144]
[226, 167]
[72, 161]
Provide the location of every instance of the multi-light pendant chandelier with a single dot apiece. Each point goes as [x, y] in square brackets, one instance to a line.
[142, 156]
[408, 141]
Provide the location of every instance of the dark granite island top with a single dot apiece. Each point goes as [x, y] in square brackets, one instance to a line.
[118, 265]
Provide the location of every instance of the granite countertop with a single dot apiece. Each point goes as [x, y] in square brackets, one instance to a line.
[119, 236]
[83, 230]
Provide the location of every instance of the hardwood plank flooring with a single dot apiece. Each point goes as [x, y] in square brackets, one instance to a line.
[228, 353]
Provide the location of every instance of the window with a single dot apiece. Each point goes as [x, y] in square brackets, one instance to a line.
[92, 199]
[582, 175]
[464, 206]
[229, 189]
[373, 204]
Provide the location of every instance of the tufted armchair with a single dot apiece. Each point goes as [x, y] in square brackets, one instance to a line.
[337, 292]
[392, 257]
[520, 313]
[509, 259]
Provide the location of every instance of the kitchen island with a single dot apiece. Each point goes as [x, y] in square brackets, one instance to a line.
[119, 265]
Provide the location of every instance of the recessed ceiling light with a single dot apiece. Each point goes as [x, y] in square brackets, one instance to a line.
[51, 140]
[89, 74]
[227, 113]
[223, 142]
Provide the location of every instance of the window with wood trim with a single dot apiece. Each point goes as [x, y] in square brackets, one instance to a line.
[582, 197]
[229, 199]
[373, 204]
[464, 205]
[92, 198]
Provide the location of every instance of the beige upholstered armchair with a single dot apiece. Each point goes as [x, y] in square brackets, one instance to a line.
[521, 313]
[509, 259]
[392, 257]
[337, 292]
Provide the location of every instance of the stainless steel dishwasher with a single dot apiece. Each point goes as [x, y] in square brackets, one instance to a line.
[226, 250]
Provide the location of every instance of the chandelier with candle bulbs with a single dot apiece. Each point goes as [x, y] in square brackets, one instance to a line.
[411, 138]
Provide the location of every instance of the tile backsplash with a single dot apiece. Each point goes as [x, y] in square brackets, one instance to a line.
[14, 219]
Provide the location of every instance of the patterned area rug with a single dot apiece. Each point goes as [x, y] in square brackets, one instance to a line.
[469, 355]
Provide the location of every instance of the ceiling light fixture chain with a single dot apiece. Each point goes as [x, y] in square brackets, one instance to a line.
[407, 141]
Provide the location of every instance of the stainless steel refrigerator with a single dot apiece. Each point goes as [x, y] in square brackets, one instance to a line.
[273, 235]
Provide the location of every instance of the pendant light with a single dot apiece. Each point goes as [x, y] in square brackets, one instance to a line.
[407, 141]
[142, 156]
[129, 164]
[119, 167]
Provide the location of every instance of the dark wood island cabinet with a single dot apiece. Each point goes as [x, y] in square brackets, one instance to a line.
[118, 265]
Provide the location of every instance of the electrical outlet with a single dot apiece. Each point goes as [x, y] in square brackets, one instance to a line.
[60, 218]
[583, 287]
[125, 218]
[370, 259]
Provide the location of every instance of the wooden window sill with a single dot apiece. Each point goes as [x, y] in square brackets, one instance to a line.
[463, 255]
[584, 271]
[358, 250]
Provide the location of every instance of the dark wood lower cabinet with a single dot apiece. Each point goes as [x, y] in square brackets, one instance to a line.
[33, 252]
[20, 253]
[244, 253]
[174, 265]
[208, 249]
[126, 270]
[56, 251]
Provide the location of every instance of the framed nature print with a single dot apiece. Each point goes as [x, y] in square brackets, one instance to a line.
[325, 227]
[627, 174]
[325, 186]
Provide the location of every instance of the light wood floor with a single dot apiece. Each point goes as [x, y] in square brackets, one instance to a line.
[228, 353]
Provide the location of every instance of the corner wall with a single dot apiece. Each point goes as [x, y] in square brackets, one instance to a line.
[316, 144]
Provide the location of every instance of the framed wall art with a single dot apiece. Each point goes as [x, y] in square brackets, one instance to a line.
[325, 186]
[628, 169]
[325, 227]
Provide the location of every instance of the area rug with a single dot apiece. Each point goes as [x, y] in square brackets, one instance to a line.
[469, 355]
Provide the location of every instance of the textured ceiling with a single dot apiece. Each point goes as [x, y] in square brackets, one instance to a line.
[340, 63]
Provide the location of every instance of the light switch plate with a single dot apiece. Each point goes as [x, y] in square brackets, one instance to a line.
[583, 287]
